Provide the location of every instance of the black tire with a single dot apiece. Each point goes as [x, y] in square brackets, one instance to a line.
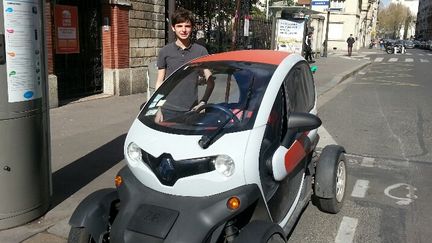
[334, 204]
[80, 235]
[390, 50]
[261, 232]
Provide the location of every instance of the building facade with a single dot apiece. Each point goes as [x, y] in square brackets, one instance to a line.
[424, 20]
[109, 50]
[356, 17]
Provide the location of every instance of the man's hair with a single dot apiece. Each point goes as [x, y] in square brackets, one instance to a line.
[182, 15]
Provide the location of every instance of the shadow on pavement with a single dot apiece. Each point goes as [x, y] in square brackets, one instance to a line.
[81, 172]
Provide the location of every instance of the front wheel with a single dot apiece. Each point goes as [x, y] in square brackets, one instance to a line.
[261, 232]
[80, 235]
[389, 50]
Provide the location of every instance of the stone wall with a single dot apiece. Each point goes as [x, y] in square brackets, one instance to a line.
[147, 37]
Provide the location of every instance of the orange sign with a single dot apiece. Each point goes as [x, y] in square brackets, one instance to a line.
[66, 25]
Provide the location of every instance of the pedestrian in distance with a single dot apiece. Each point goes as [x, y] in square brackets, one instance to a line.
[381, 42]
[175, 54]
[350, 42]
[308, 48]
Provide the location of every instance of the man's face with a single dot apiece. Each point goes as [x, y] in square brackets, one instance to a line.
[182, 30]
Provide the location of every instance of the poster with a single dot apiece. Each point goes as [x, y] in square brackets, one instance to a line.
[289, 35]
[66, 24]
[23, 44]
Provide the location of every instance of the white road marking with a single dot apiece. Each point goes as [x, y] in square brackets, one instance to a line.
[409, 60]
[424, 60]
[366, 58]
[408, 54]
[393, 59]
[360, 188]
[367, 162]
[346, 230]
[402, 200]
[429, 54]
[420, 54]
[379, 59]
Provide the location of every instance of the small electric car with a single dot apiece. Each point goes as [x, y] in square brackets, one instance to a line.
[224, 151]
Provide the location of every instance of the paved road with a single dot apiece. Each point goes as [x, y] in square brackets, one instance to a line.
[383, 118]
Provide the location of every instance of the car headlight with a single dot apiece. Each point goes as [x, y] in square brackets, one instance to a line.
[134, 152]
[224, 165]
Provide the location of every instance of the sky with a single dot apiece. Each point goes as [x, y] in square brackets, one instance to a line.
[385, 2]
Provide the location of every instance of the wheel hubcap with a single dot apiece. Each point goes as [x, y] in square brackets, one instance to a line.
[340, 181]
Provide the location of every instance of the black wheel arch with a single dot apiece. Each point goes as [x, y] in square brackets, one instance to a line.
[324, 175]
[259, 231]
[93, 213]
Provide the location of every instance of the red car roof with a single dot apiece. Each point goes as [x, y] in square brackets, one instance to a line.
[259, 56]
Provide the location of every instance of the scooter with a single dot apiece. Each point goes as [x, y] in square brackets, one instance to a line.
[395, 49]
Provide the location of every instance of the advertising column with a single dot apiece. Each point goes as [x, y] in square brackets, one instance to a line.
[25, 173]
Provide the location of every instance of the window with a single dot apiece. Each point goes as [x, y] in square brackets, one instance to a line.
[300, 89]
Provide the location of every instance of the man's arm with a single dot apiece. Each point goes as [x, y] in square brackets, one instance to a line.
[210, 85]
[160, 77]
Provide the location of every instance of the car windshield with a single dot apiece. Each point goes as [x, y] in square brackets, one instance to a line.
[233, 102]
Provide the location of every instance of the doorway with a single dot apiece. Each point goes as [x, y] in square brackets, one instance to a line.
[81, 74]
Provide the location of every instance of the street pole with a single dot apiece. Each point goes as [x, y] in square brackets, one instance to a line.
[267, 9]
[235, 26]
[326, 35]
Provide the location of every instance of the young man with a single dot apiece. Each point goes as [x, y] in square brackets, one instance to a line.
[350, 42]
[177, 53]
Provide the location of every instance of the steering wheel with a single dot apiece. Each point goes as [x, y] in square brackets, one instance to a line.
[220, 108]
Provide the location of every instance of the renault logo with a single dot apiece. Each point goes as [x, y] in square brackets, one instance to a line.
[166, 169]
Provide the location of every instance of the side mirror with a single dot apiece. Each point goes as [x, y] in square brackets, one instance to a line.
[299, 122]
[302, 122]
[314, 69]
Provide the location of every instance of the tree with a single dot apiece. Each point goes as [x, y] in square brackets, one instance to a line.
[392, 19]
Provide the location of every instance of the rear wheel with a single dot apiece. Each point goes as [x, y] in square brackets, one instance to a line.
[261, 232]
[80, 235]
[390, 50]
[334, 204]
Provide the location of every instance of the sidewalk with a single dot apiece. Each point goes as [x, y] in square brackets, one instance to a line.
[87, 150]
[337, 67]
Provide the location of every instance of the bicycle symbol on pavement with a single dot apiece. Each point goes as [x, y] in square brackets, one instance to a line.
[402, 200]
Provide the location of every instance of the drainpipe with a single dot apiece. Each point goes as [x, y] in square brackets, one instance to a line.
[171, 9]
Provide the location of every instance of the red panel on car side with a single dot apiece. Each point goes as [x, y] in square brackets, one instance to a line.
[295, 153]
[259, 56]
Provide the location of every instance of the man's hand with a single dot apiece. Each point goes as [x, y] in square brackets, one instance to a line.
[201, 103]
[158, 116]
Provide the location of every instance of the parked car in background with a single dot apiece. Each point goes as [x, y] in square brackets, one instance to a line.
[409, 44]
[388, 42]
[416, 43]
[428, 45]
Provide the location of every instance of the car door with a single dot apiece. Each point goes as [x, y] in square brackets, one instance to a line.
[295, 95]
